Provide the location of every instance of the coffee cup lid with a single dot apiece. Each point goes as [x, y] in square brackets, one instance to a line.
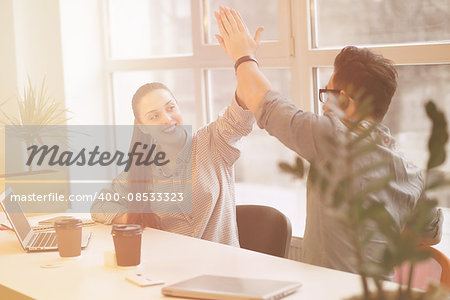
[69, 222]
[126, 229]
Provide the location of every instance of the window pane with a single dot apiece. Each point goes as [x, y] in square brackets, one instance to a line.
[147, 28]
[266, 184]
[323, 77]
[349, 22]
[255, 14]
[223, 85]
[180, 82]
[407, 118]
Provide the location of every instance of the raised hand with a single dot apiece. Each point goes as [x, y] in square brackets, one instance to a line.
[234, 36]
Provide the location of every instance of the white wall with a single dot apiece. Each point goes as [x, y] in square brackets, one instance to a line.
[85, 78]
[30, 36]
[8, 73]
[38, 44]
[82, 45]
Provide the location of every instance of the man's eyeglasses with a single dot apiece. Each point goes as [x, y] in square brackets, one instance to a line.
[324, 94]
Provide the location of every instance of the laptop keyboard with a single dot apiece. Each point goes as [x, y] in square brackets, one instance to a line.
[44, 239]
[49, 227]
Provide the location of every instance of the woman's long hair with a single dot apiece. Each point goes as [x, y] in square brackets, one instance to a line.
[140, 178]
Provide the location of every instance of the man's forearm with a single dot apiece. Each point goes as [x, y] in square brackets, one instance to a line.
[252, 85]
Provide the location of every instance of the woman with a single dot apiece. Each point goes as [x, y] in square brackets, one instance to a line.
[213, 151]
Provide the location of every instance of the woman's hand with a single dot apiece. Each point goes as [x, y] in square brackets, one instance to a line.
[120, 219]
[144, 219]
[234, 36]
[151, 220]
[128, 218]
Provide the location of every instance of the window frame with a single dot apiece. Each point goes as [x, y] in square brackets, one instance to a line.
[308, 57]
[295, 50]
[204, 56]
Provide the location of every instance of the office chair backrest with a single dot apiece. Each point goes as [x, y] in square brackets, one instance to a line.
[263, 229]
[436, 268]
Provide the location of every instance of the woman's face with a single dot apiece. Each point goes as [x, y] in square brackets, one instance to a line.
[160, 108]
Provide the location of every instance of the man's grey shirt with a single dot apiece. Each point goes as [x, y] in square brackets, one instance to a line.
[327, 242]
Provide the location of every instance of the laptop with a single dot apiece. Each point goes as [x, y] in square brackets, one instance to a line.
[221, 287]
[30, 240]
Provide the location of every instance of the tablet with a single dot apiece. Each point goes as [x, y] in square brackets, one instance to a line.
[220, 287]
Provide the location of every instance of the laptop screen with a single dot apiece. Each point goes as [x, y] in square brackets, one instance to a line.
[16, 216]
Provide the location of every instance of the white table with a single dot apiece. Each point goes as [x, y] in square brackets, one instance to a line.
[169, 257]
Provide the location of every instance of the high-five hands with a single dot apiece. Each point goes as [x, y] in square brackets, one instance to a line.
[234, 36]
[236, 40]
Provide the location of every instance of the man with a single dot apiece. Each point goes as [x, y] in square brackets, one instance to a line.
[358, 74]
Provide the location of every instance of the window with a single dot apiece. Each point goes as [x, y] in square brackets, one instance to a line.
[161, 36]
[407, 118]
[222, 79]
[414, 34]
[345, 22]
[126, 83]
[300, 42]
[142, 29]
[268, 20]
[173, 42]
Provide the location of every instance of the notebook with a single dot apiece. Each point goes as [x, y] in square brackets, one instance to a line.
[221, 287]
[28, 238]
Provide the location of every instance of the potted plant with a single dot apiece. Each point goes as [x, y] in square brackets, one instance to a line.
[38, 114]
[39, 117]
[363, 217]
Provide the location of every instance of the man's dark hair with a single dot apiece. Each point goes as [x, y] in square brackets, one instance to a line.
[364, 75]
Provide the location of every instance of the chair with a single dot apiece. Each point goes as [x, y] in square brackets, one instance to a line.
[436, 268]
[263, 229]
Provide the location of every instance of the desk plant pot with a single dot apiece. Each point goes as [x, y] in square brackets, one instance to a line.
[38, 116]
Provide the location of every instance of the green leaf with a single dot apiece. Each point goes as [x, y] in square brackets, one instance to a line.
[370, 147]
[367, 238]
[363, 134]
[340, 193]
[365, 108]
[285, 167]
[298, 170]
[38, 110]
[420, 255]
[374, 211]
[3, 102]
[300, 166]
[370, 168]
[375, 186]
[437, 184]
[420, 217]
[438, 137]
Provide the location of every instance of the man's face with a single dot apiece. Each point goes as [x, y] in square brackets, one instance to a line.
[338, 101]
[330, 101]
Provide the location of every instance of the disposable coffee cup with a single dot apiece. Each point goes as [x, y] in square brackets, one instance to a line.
[68, 237]
[127, 244]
